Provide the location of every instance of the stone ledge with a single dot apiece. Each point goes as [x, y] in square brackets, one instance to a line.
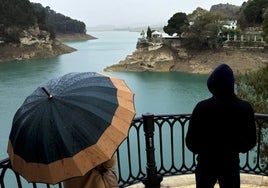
[188, 181]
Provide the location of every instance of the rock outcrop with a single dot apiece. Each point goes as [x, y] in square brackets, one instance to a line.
[161, 58]
[34, 43]
[157, 58]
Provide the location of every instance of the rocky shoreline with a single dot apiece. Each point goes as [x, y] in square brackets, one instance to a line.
[33, 47]
[13, 52]
[74, 37]
[156, 58]
[163, 59]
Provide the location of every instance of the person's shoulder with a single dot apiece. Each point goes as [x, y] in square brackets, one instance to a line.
[244, 103]
[203, 104]
[205, 101]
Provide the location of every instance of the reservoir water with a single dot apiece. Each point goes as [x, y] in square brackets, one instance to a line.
[158, 93]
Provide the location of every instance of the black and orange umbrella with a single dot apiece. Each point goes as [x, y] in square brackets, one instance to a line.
[69, 125]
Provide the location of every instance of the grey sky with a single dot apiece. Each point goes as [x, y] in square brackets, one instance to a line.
[127, 12]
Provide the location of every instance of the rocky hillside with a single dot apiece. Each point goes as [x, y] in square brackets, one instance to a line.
[163, 59]
[228, 10]
[34, 43]
[29, 30]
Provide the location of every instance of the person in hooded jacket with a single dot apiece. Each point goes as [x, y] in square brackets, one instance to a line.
[219, 129]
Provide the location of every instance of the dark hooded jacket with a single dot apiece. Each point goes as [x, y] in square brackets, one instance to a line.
[223, 125]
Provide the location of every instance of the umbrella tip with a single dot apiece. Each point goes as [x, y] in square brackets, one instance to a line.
[47, 92]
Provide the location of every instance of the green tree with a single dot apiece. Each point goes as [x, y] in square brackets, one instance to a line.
[196, 13]
[253, 88]
[265, 25]
[55, 22]
[40, 14]
[254, 11]
[176, 23]
[16, 13]
[241, 20]
[149, 33]
[204, 32]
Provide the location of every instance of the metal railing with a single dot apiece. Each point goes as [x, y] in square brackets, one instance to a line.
[155, 148]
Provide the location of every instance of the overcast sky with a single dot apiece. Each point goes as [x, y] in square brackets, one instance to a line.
[127, 12]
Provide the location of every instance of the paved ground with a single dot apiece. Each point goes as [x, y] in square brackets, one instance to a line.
[187, 181]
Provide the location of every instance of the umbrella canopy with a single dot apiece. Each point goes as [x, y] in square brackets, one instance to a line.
[69, 125]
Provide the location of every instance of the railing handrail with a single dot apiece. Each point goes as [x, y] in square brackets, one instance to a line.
[163, 140]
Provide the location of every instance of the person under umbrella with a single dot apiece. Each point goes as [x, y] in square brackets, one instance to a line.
[70, 125]
[102, 176]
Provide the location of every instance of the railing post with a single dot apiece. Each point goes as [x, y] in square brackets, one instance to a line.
[152, 180]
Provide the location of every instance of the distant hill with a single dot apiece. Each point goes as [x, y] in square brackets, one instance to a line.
[228, 10]
[18, 15]
[59, 22]
[28, 31]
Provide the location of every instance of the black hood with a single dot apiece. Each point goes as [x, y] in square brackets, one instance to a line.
[221, 81]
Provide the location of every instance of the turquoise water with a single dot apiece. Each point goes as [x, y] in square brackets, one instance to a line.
[158, 93]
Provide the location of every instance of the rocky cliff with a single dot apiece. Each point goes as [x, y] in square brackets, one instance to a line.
[160, 58]
[34, 43]
[153, 58]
